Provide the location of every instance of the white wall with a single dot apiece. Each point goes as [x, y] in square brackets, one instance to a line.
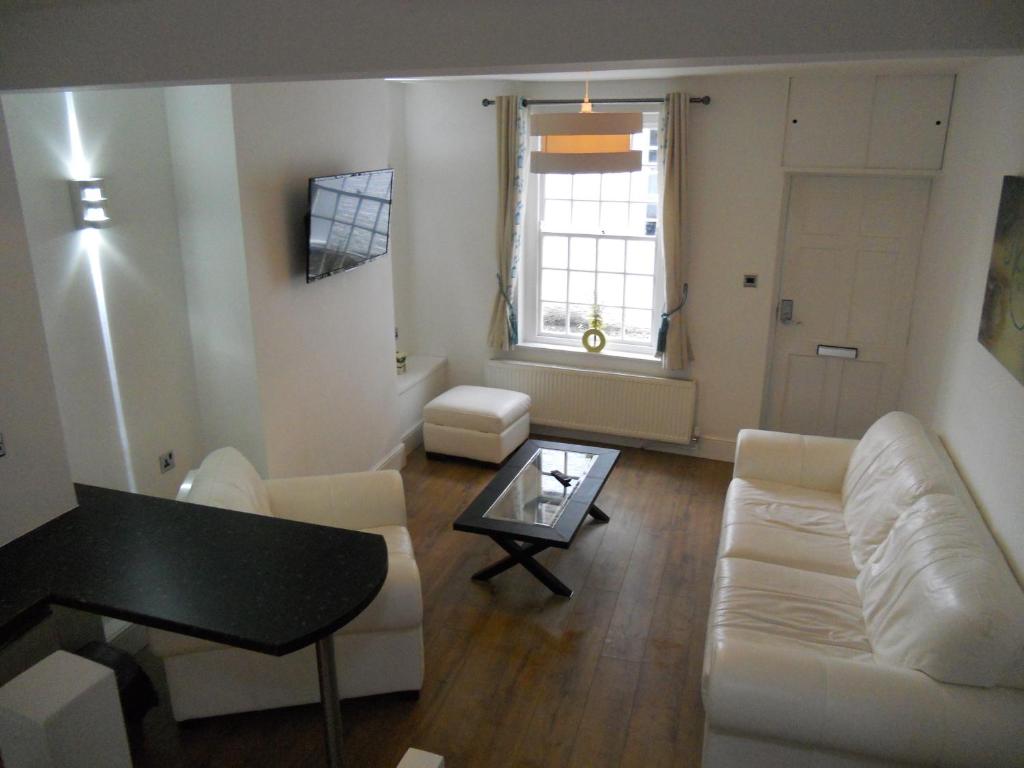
[324, 351]
[175, 41]
[124, 135]
[34, 474]
[202, 139]
[952, 381]
[735, 183]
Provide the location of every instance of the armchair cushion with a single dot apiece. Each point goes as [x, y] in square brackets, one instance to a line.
[357, 500]
[227, 480]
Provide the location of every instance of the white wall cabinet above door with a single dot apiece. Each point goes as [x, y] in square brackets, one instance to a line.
[828, 121]
[909, 121]
[867, 122]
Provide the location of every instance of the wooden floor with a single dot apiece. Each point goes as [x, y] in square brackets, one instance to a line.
[514, 675]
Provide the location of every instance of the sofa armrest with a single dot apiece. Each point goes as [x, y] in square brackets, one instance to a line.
[355, 500]
[897, 714]
[803, 460]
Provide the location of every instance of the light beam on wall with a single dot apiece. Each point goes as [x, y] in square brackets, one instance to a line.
[90, 241]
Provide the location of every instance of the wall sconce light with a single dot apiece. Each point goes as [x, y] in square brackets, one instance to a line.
[88, 200]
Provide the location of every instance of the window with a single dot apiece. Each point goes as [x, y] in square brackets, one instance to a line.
[591, 244]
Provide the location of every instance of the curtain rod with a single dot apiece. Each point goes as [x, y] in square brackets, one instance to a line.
[658, 100]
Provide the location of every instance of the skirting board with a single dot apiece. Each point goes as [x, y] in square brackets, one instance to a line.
[413, 439]
[714, 448]
[395, 459]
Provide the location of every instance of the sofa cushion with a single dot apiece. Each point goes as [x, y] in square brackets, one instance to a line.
[227, 480]
[774, 605]
[786, 525]
[480, 409]
[939, 597]
[894, 465]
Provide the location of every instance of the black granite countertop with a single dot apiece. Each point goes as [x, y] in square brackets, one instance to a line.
[255, 582]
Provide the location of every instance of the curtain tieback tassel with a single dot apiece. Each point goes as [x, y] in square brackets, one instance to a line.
[665, 318]
[513, 323]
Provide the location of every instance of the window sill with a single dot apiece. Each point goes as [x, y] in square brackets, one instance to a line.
[609, 354]
[616, 361]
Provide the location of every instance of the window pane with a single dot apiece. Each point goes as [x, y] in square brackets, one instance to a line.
[581, 253]
[579, 317]
[609, 289]
[581, 287]
[637, 218]
[555, 252]
[640, 185]
[638, 141]
[614, 217]
[652, 156]
[556, 214]
[553, 284]
[639, 291]
[615, 186]
[558, 185]
[640, 257]
[586, 186]
[612, 317]
[585, 216]
[636, 325]
[553, 318]
[611, 255]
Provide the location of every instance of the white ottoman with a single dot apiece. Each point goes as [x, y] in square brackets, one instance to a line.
[63, 713]
[479, 423]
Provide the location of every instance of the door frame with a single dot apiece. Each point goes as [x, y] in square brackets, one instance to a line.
[780, 251]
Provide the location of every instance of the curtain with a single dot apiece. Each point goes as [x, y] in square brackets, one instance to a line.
[511, 115]
[673, 340]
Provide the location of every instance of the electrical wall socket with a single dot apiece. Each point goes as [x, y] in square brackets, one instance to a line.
[3, 448]
[166, 462]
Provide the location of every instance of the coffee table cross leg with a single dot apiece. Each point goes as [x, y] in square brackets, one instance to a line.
[597, 513]
[523, 555]
[508, 562]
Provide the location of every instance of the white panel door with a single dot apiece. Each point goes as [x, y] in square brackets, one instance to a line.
[849, 261]
[909, 121]
[828, 121]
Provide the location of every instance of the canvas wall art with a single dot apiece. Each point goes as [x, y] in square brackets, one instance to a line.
[1002, 316]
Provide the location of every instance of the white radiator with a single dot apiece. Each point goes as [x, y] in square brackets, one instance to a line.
[625, 404]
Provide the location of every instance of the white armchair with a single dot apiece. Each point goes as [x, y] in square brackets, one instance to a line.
[381, 651]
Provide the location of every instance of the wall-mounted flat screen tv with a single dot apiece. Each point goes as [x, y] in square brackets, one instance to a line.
[349, 218]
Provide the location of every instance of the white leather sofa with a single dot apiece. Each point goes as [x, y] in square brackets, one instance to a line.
[380, 651]
[862, 614]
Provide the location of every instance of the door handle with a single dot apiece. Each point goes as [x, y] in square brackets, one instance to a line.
[786, 313]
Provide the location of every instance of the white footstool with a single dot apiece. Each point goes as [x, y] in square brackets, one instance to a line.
[64, 712]
[479, 423]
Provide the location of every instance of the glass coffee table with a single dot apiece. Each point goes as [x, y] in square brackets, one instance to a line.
[539, 499]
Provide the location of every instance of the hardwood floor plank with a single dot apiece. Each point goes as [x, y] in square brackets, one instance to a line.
[601, 736]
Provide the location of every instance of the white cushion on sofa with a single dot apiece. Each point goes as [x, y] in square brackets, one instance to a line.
[938, 597]
[227, 480]
[894, 465]
[787, 525]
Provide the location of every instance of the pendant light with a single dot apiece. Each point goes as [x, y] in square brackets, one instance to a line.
[585, 141]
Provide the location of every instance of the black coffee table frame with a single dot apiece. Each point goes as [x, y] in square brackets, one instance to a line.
[508, 534]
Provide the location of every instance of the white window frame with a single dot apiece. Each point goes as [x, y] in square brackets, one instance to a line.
[531, 329]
